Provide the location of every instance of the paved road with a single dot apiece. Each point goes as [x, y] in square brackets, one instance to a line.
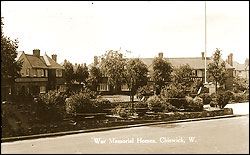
[228, 135]
[239, 108]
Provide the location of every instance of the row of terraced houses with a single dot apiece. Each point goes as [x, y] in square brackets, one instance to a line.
[40, 74]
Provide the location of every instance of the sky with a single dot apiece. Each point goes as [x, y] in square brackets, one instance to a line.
[79, 30]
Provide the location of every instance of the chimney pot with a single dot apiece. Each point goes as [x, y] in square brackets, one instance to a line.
[203, 55]
[54, 57]
[36, 52]
[160, 55]
[230, 59]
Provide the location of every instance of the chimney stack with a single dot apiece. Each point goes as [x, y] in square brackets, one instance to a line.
[203, 55]
[95, 60]
[36, 52]
[160, 55]
[230, 59]
[54, 57]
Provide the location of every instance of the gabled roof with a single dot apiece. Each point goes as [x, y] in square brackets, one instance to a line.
[238, 66]
[19, 53]
[51, 63]
[36, 62]
[39, 62]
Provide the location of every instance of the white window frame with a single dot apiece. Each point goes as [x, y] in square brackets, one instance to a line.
[103, 87]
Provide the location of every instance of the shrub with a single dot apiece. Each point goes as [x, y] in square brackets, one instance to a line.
[206, 98]
[240, 97]
[156, 103]
[221, 99]
[79, 103]
[101, 104]
[224, 98]
[195, 104]
[51, 105]
[214, 102]
[124, 112]
[143, 93]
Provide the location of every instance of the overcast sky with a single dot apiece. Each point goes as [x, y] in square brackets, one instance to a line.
[77, 31]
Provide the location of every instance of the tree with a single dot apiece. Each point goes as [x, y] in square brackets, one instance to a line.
[81, 73]
[136, 75]
[69, 73]
[162, 73]
[112, 66]
[10, 68]
[94, 78]
[217, 69]
[184, 76]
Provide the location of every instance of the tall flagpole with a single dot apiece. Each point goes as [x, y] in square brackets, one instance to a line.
[205, 44]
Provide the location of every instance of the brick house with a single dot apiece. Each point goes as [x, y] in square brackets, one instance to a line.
[38, 74]
[197, 63]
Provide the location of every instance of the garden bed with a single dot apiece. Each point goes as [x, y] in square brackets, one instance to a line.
[21, 123]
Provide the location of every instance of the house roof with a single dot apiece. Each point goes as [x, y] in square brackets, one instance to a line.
[238, 66]
[19, 53]
[51, 63]
[36, 62]
[40, 62]
[193, 62]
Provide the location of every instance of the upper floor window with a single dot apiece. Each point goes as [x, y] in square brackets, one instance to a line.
[39, 72]
[46, 73]
[35, 72]
[27, 72]
[42, 72]
[58, 73]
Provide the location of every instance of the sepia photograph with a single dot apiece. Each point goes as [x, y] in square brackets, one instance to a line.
[125, 77]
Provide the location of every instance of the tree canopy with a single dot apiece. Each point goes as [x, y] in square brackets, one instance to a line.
[162, 73]
[217, 69]
[10, 68]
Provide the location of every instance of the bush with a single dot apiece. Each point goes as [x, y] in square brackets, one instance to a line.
[86, 102]
[156, 104]
[101, 104]
[221, 99]
[224, 98]
[124, 112]
[195, 104]
[240, 97]
[79, 103]
[143, 93]
[51, 105]
[206, 98]
[214, 102]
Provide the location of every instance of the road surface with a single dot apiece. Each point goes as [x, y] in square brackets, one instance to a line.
[227, 135]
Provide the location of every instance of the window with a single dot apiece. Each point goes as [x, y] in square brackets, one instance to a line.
[27, 72]
[103, 87]
[39, 72]
[42, 89]
[42, 72]
[46, 73]
[34, 72]
[58, 73]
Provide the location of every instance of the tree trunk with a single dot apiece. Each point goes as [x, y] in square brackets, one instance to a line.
[216, 87]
